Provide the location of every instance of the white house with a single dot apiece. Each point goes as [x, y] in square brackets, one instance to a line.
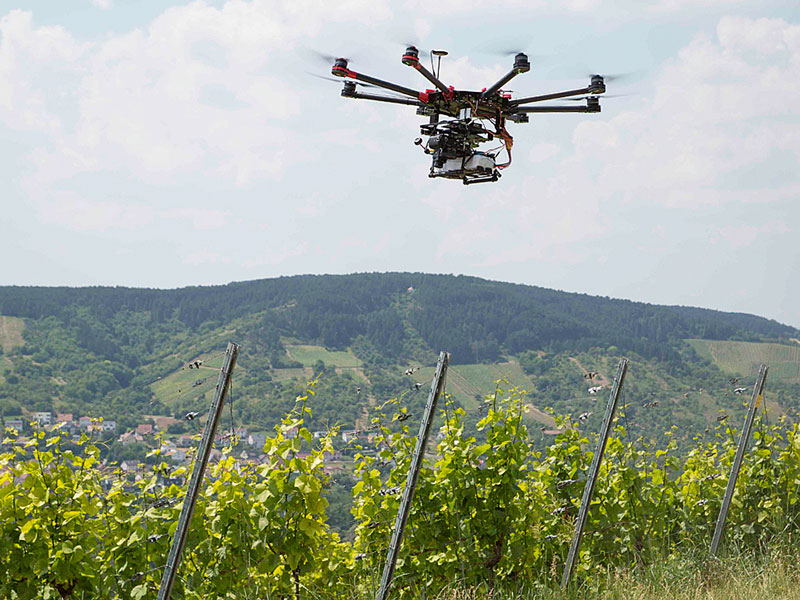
[14, 422]
[43, 417]
[349, 436]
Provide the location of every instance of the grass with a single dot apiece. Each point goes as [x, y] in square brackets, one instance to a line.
[6, 366]
[746, 577]
[743, 358]
[180, 383]
[11, 329]
[464, 382]
[308, 355]
[304, 374]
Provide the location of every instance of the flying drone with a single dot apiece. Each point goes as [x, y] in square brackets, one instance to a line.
[452, 143]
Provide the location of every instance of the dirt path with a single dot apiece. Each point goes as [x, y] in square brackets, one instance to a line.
[713, 354]
[365, 420]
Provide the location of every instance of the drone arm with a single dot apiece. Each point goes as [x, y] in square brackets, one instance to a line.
[521, 65]
[411, 58]
[432, 78]
[386, 84]
[588, 108]
[340, 70]
[553, 96]
[504, 80]
[362, 96]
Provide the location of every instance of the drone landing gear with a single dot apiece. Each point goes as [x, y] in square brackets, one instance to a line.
[493, 177]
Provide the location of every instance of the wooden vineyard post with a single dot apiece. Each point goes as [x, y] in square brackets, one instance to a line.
[206, 443]
[591, 478]
[413, 475]
[755, 401]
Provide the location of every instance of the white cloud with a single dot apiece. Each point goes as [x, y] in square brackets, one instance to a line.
[103, 4]
[542, 151]
[71, 210]
[142, 102]
[462, 73]
[422, 29]
[36, 66]
[676, 5]
[274, 256]
[736, 236]
[203, 257]
[461, 7]
[200, 89]
[719, 107]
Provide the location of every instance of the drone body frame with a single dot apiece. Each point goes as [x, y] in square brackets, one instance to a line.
[453, 143]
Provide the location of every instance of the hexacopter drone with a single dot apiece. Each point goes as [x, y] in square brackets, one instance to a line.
[453, 143]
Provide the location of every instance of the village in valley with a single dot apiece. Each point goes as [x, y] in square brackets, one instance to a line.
[176, 448]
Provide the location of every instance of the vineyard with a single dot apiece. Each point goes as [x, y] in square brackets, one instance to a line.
[467, 382]
[489, 512]
[743, 357]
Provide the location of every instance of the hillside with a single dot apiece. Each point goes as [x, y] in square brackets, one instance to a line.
[123, 353]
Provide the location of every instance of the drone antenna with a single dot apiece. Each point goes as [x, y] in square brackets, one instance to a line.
[438, 54]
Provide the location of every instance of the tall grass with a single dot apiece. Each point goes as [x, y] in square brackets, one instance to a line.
[750, 576]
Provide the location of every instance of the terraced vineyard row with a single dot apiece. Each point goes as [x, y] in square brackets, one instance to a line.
[743, 358]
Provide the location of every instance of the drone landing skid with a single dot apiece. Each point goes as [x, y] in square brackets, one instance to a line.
[493, 177]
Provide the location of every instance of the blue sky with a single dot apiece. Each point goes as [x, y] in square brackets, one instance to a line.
[162, 145]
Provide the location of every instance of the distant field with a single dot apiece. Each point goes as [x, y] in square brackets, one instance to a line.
[11, 329]
[308, 355]
[5, 364]
[181, 383]
[743, 358]
[282, 374]
[464, 382]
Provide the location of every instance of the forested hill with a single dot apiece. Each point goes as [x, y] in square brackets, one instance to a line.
[475, 319]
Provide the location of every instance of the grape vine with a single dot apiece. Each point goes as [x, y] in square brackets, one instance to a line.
[486, 510]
